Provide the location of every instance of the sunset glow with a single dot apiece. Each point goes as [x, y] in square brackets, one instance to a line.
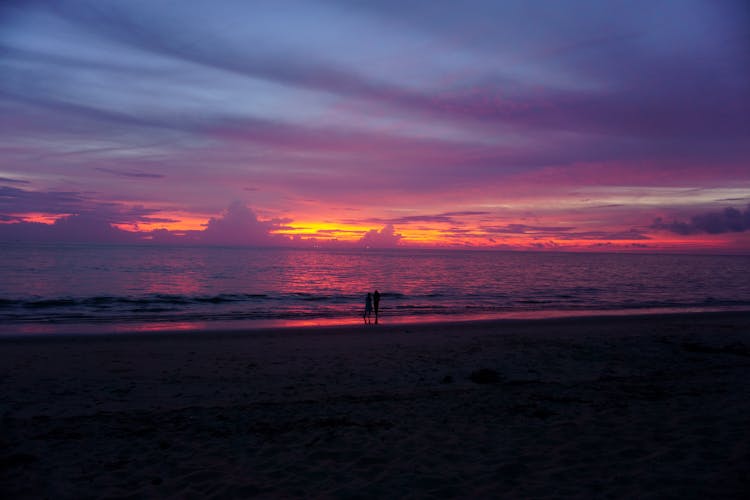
[177, 222]
[509, 125]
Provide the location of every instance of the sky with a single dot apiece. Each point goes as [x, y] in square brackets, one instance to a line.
[521, 125]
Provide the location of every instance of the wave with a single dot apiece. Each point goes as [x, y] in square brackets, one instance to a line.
[433, 299]
[223, 298]
[106, 301]
[302, 305]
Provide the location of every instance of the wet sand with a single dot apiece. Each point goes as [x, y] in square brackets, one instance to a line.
[607, 407]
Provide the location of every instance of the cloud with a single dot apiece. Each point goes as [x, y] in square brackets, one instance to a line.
[565, 233]
[15, 200]
[385, 238]
[86, 228]
[89, 228]
[441, 218]
[130, 173]
[612, 110]
[655, 94]
[525, 229]
[631, 234]
[729, 220]
[80, 218]
[239, 225]
[13, 181]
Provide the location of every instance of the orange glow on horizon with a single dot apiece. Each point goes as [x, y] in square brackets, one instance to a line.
[180, 223]
[39, 217]
[541, 235]
[445, 235]
[324, 231]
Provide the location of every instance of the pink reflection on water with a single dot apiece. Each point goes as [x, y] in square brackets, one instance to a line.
[163, 326]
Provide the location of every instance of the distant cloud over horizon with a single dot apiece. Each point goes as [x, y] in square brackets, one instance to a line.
[729, 220]
[385, 238]
[68, 229]
[239, 225]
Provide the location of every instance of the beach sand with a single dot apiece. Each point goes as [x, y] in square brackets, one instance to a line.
[608, 407]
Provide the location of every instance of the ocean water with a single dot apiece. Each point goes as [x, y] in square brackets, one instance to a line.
[45, 288]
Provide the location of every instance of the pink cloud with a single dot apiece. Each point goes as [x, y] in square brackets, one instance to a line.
[239, 225]
[385, 238]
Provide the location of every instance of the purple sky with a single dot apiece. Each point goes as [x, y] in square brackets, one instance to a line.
[513, 124]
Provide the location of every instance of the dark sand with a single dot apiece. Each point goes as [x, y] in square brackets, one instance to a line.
[622, 407]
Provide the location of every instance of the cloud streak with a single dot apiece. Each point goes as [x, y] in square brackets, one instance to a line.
[673, 104]
[137, 174]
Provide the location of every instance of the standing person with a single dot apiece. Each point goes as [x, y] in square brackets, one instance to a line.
[376, 303]
[368, 308]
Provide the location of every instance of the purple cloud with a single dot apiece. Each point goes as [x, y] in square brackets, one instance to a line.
[239, 225]
[16, 200]
[441, 218]
[138, 174]
[63, 203]
[13, 181]
[71, 229]
[385, 238]
[525, 229]
[647, 95]
[729, 220]
[566, 233]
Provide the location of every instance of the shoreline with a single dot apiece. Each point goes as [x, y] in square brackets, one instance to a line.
[616, 407]
[415, 323]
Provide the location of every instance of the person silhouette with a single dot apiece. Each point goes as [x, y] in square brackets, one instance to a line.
[376, 303]
[368, 308]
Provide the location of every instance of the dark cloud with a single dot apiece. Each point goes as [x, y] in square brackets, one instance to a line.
[565, 233]
[238, 225]
[729, 220]
[87, 228]
[16, 200]
[64, 203]
[138, 174]
[12, 181]
[441, 218]
[631, 234]
[525, 229]
[465, 213]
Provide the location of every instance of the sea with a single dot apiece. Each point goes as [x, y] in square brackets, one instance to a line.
[101, 288]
